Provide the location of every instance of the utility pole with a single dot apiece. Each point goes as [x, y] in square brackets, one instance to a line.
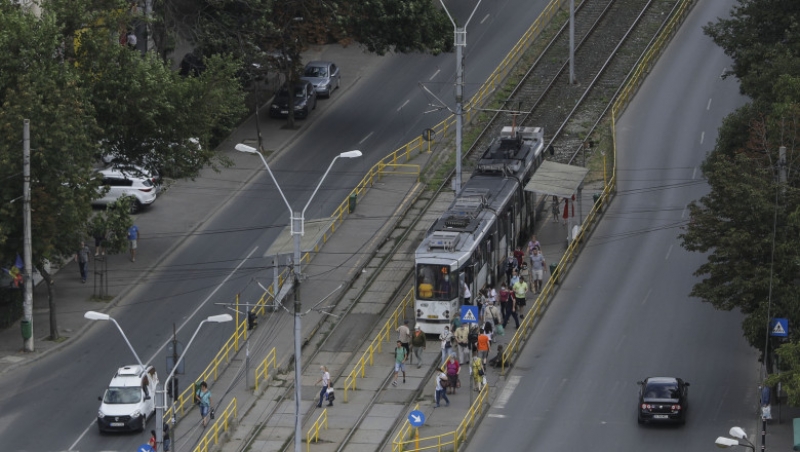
[572, 43]
[460, 41]
[27, 305]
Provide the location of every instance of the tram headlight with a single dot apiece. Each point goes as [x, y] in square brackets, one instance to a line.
[419, 313]
[447, 314]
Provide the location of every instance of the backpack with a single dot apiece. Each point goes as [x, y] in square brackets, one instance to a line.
[473, 335]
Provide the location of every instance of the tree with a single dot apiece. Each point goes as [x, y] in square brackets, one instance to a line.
[270, 32]
[36, 84]
[762, 38]
[148, 114]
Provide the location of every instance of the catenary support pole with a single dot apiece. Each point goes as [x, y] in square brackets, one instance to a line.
[27, 305]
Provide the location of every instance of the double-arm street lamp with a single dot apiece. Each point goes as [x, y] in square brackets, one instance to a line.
[296, 227]
[738, 433]
[160, 399]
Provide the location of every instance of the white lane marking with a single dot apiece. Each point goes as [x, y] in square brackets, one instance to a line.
[404, 104]
[501, 416]
[619, 344]
[708, 106]
[647, 296]
[685, 209]
[724, 70]
[200, 306]
[435, 74]
[511, 385]
[72, 447]
[484, 19]
[694, 176]
[669, 251]
[362, 142]
[702, 137]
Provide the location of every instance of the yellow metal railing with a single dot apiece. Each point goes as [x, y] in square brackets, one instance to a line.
[262, 370]
[313, 432]
[446, 441]
[385, 334]
[221, 424]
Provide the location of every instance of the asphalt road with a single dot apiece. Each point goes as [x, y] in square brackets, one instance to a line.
[624, 312]
[58, 395]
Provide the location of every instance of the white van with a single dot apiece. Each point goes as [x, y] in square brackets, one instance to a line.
[129, 400]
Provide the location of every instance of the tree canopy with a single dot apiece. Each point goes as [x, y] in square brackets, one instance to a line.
[748, 224]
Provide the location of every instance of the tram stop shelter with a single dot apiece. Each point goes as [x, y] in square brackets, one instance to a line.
[562, 181]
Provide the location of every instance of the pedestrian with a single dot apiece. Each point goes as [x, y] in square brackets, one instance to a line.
[520, 256]
[404, 336]
[497, 361]
[445, 341]
[82, 258]
[514, 278]
[452, 374]
[466, 292]
[399, 362]
[478, 372]
[566, 210]
[491, 298]
[152, 442]
[556, 209]
[441, 393]
[511, 266]
[505, 300]
[166, 439]
[511, 312]
[325, 379]
[133, 240]
[462, 342]
[520, 292]
[418, 340]
[203, 398]
[538, 266]
[484, 343]
[533, 243]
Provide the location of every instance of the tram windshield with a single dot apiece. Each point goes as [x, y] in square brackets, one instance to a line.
[436, 282]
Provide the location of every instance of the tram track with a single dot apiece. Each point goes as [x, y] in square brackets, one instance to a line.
[611, 36]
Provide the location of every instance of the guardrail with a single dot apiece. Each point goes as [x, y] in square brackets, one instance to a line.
[446, 441]
[262, 370]
[619, 105]
[376, 345]
[221, 424]
[313, 432]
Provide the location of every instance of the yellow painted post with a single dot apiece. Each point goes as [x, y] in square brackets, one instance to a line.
[416, 438]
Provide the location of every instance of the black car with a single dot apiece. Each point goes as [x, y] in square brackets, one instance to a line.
[663, 399]
[305, 100]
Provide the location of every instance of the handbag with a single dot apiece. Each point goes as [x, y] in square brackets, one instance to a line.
[211, 414]
[329, 394]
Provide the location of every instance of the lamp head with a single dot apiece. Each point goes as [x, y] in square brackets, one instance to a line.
[94, 315]
[221, 318]
[350, 154]
[738, 432]
[724, 442]
[245, 148]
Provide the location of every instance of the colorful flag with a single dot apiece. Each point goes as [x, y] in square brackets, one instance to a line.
[16, 272]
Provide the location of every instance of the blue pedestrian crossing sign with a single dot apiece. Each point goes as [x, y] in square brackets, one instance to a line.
[145, 448]
[779, 327]
[416, 418]
[469, 314]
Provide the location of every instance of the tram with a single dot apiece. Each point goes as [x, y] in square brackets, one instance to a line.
[470, 242]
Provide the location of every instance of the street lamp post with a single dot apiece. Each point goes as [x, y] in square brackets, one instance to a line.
[737, 433]
[160, 392]
[296, 227]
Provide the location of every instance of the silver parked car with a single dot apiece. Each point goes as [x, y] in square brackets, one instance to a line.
[324, 75]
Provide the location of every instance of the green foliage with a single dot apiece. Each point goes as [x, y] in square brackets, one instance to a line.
[763, 38]
[789, 355]
[35, 84]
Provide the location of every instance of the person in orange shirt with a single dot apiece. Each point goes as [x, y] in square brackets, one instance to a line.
[484, 342]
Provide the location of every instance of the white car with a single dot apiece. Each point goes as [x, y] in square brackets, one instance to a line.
[129, 401]
[117, 182]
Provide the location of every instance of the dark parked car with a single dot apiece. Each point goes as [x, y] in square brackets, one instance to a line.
[305, 100]
[324, 75]
[663, 399]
